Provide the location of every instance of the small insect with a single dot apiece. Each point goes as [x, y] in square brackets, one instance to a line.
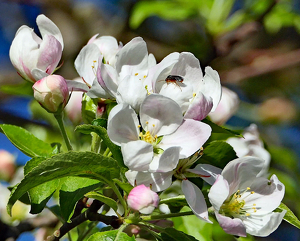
[174, 79]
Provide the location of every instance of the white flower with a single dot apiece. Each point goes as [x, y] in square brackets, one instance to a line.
[243, 202]
[159, 139]
[251, 145]
[196, 95]
[228, 105]
[33, 57]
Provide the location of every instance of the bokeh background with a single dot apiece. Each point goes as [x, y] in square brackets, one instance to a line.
[253, 44]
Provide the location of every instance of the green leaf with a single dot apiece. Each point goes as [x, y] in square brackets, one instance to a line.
[290, 217]
[221, 130]
[72, 190]
[115, 150]
[25, 141]
[126, 187]
[110, 236]
[85, 164]
[218, 153]
[100, 122]
[175, 201]
[88, 108]
[108, 201]
[192, 225]
[25, 89]
[171, 234]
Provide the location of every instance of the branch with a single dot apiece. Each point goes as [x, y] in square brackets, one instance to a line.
[91, 215]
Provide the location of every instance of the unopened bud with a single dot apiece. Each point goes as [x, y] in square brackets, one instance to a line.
[143, 199]
[7, 165]
[52, 93]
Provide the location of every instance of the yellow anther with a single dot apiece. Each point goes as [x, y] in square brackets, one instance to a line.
[145, 76]
[136, 74]
[153, 125]
[139, 126]
[194, 94]
[248, 188]
[147, 122]
[95, 61]
[247, 214]
[254, 204]
[252, 192]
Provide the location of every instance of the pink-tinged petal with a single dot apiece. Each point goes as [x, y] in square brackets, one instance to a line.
[47, 27]
[268, 224]
[158, 181]
[207, 172]
[199, 107]
[190, 136]
[131, 91]
[108, 78]
[50, 54]
[122, 125]
[227, 107]
[241, 172]
[267, 195]
[132, 58]
[160, 115]
[86, 63]
[38, 74]
[211, 87]
[195, 199]
[96, 91]
[188, 67]
[233, 226]
[92, 39]
[24, 52]
[137, 155]
[167, 161]
[218, 192]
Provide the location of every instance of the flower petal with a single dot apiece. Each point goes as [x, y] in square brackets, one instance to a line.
[190, 136]
[47, 27]
[269, 223]
[167, 161]
[207, 172]
[195, 199]
[199, 107]
[122, 124]
[160, 115]
[233, 226]
[137, 155]
[218, 192]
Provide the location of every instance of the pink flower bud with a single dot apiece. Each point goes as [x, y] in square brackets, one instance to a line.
[51, 92]
[7, 165]
[142, 199]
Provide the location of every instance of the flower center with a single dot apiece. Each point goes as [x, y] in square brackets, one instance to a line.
[147, 136]
[237, 206]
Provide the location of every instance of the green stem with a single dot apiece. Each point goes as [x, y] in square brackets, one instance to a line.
[96, 142]
[120, 197]
[164, 216]
[106, 152]
[58, 117]
[120, 231]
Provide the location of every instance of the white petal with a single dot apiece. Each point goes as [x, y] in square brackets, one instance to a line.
[137, 155]
[47, 27]
[131, 91]
[195, 199]
[218, 192]
[268, 224]
[158, 181]
[160, 115]
[207, 172]
[267, 196]
[122, 124]
[108, 78]
[190, 136]
[77, 85]
[211, 86]
[86, 63]
[167, 161]
[241, 172]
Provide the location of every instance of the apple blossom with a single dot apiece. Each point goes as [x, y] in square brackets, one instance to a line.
[251, 145]
[142, 199]
[52, 93]
[243, 202]
[7, 165]
[33, 57]
[159, 139]
[196, 95]
[228, 105]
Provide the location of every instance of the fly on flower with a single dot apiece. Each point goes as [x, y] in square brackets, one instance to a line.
[174, 79]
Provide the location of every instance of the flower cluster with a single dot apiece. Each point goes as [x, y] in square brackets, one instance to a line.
[156, 120]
